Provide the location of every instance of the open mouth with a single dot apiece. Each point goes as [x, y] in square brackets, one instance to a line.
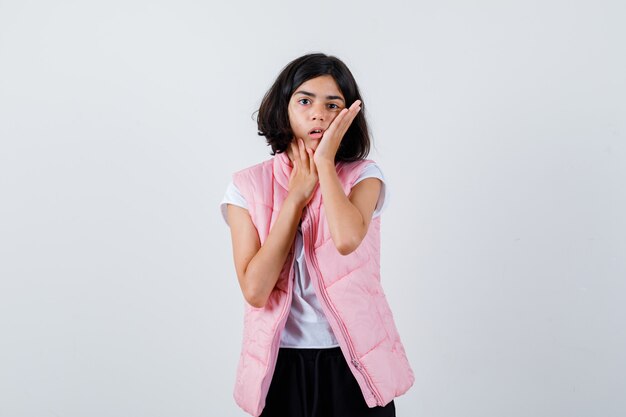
[316, 134]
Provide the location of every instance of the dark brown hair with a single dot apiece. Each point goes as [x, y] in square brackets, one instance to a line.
[273, 116]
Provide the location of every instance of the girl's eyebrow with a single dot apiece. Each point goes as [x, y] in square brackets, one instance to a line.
[306, 93]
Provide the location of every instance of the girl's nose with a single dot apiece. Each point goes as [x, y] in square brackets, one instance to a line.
[318, 113]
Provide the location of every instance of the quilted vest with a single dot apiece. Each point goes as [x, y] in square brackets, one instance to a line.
[348, 288]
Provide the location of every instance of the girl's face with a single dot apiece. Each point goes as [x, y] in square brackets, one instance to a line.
[312, 108]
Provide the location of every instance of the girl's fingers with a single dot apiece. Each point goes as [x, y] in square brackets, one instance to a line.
[303, 153]
[341, 116]
[348, 113]
[351, 114]
[312, 166]
[301, 150]
[347, 120]
[344, 119]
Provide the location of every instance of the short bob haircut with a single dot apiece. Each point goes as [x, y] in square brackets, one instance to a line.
[273, 116]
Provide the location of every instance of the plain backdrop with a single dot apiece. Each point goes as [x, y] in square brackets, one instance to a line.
[500, 127]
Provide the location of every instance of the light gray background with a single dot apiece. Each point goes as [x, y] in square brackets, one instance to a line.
[500, 127]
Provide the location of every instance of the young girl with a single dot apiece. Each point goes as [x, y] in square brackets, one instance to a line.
[319, 337]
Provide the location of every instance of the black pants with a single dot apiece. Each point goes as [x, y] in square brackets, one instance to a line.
[317, 383]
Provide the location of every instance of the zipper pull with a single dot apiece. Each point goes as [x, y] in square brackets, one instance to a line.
[356, 364]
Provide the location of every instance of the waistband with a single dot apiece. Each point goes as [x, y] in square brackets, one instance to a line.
[310, 353]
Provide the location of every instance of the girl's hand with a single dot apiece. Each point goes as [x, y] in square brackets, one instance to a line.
[303, 179]
[327, 149]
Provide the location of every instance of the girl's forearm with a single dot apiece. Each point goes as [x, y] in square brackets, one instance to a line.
[264, 268]
[345, 221]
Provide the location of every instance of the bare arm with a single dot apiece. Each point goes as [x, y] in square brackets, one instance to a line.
[258, 267]
[348, 216]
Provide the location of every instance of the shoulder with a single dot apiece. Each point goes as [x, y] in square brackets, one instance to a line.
[371, 170]
[234, 197]
[353, 167]
[353, 172]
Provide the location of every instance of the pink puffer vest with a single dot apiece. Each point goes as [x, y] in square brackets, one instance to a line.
[348, 288]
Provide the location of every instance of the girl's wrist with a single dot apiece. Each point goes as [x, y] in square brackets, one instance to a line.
[325, 167]
[297, 202]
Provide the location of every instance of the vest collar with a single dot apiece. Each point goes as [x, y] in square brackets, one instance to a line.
[282, 169]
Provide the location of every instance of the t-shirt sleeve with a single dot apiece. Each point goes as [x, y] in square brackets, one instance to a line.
[373, 171]
[232, 196]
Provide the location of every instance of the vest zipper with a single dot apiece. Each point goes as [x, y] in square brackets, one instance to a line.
[353, 357]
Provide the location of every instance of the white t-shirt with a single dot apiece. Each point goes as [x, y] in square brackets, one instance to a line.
[306, 325]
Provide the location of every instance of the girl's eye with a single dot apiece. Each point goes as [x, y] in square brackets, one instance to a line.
[333, 106]
[302, 100]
